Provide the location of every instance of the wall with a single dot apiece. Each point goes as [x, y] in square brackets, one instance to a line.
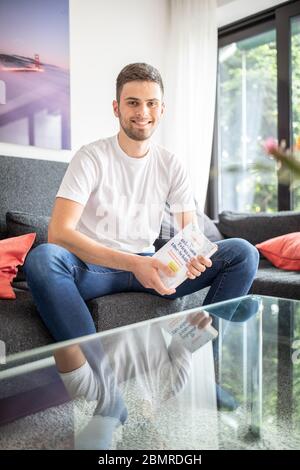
[104, 36]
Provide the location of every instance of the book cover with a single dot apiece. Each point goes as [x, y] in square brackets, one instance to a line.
[188, 333]
[178, 251]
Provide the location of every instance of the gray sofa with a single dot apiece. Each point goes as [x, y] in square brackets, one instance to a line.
[28, 188]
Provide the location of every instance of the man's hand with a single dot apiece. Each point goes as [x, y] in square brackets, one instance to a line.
[200, 319]
[197, 266]
[146, 272]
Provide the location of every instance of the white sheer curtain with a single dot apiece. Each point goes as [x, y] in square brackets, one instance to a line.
[190, 86]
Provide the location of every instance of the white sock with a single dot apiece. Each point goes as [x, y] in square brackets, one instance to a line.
[81, 382]
[97, 434]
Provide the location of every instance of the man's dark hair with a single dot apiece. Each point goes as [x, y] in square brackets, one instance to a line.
[138, 71]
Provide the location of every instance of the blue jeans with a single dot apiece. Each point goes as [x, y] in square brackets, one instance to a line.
[60, 283]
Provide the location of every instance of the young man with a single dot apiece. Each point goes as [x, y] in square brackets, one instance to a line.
[108, 213]
[104, 219]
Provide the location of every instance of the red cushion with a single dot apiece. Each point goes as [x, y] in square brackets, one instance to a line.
[13, 252]
[283, 252]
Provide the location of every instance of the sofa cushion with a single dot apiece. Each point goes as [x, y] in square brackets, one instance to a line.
[12, 254]
[22, 328]
[209, 228]
[167, 230]
[257, 228]
[20, 223]
[29, 185]
[272, 281]
[126, 308]
[283, 252]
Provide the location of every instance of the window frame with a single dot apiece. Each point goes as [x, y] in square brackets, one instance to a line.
[277, 18]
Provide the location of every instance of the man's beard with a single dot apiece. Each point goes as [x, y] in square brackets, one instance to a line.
[136, 134]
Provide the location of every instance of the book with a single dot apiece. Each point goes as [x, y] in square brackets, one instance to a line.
[185, 330]
[177, 252]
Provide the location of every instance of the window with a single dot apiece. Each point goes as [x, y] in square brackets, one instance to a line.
[295, 101]
[258, 97]
[247, 113]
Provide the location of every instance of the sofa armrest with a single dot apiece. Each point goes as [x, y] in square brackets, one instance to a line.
[257, 228]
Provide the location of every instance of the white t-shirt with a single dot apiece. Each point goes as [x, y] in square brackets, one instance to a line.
[123, 197]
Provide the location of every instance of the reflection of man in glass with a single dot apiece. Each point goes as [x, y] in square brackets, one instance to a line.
[94, 380]
[160, 369]
[160, 372]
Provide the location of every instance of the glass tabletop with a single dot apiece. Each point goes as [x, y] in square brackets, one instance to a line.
[227, 377]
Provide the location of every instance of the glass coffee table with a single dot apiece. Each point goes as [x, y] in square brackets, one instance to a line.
[158, 387]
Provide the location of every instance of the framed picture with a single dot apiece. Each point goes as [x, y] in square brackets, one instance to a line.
[35, 73]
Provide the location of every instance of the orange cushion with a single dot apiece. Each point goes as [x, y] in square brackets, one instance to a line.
[283, 252]
[13, 252]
